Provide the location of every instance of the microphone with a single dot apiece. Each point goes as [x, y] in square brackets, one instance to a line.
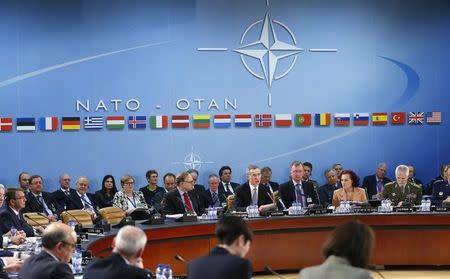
[269, 269]
[79, 225]
[32, 219]
[43, 215]
[318, 198]
[180, 259]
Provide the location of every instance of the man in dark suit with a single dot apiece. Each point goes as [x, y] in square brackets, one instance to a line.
[125, 260]
[326, 191]
[198, 188]
[181, 199]
[81, 199]
[226, 186]
[58, 244]
[252, 193]
[227, 260]
[374, 183]
[169, 184]
[64, 191]
[212, 196]
[40, 201]
[12, 215]
[266, 177]
[296, 190]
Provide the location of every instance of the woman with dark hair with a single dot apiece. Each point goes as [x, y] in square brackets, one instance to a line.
[106, 194]
[350, 190]
[347, 253]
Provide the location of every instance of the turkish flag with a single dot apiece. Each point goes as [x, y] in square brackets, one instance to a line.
[398, 118]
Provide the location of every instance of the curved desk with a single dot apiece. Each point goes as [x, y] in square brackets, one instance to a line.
[294, 242]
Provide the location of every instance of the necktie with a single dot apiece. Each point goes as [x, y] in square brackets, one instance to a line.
[229, 189]
[67, 192]
[299, 194]
[379, 185]
[255, 196]
[215, 199]
[45, 209]
[87, 205]
[187, 202]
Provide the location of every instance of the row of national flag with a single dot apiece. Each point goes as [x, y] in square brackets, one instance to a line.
[220, 121]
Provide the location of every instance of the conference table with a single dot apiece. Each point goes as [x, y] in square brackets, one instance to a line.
[293, 242]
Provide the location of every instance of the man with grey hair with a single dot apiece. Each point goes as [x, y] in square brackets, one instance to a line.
[58, 244]
[125, 260]
[374, 183]
[212, 196]
[326, 191]
[401, 191]
[62, 194]
[252, 193]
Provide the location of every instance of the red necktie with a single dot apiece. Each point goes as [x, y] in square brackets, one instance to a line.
[187, 202]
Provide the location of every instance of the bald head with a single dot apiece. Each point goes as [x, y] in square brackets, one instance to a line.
[61, 240]
[130, 242]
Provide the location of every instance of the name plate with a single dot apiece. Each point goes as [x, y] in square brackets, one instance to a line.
[95, 230]
[365, 210]
[404, 209]
[86, 260]
[442, 209]
[238, 214]
[155, 219]
[318, 211]
[276, 213]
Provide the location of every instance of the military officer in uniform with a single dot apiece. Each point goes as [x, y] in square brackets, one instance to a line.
[441, 189]
[402, 192]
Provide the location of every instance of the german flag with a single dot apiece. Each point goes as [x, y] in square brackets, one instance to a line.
[70, 123]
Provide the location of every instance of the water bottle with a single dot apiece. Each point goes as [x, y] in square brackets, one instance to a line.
[76, 262]
[159, 271]
[341, 207]
[428, 205]
[167, 272]
[71, 224]
[13, 231]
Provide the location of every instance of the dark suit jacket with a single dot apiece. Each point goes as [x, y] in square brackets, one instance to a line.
[114, 267]
[9, 218]
[222, 188]
[441, 191]
[158, 200]
[244, 196]
[44, 266]
[326, 193]
[370, 184]
[207, 201]
[103, 200]
[275, 186]
[33, 205]
[150, 195]
[172, 203]
[74, 201]
[220, 264]
[61, 198]
[287, 193]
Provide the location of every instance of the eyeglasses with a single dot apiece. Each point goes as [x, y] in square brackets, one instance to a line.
[190, 181]
[128, 183]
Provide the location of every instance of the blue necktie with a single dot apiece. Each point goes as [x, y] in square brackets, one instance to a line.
[299, 194]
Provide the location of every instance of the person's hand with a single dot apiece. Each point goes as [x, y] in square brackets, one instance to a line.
[266, 207]
[53, 217]
[39, 229]
[18, 239]
[400, 203]
[446, 200]
[129, 211]
[12, 264]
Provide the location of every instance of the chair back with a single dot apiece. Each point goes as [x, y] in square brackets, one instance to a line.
[35, 219]
[230, 201]
[112, 215]
[79, 216]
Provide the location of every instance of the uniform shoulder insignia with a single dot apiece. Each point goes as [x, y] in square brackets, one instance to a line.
[389, 183]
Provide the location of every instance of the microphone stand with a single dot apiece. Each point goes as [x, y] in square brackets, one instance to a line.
[269, 269]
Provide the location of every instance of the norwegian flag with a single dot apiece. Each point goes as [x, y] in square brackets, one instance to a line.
[263, 120]
[416, 118]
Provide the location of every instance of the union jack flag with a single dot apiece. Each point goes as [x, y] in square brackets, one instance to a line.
[416, 118]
